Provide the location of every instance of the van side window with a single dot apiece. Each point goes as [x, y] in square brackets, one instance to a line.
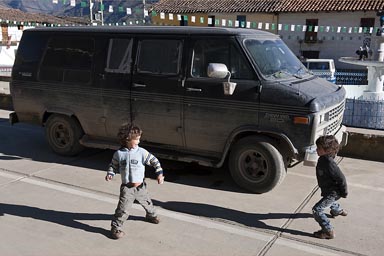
[119, 56]
[68, 60]
[159, 56]
[219, 51]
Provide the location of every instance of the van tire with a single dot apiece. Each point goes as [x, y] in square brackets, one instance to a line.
[256, 165]
[63, 134]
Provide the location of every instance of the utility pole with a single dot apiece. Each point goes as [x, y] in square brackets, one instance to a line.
[102, 12]
[144, 11]
[99, 15]
[90, 11]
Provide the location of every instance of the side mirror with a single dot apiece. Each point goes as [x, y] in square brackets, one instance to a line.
[219, 70]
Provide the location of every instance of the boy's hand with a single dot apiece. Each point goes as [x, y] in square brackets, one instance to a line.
[108, 177]
[160, 179]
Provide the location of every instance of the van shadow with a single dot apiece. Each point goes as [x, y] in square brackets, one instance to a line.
[68, 219]
[252, 220]
[24, 141]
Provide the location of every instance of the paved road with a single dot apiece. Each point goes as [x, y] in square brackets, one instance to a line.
[54, 205]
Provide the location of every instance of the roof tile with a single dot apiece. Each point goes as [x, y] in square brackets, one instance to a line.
[19, 16]
[269, 6]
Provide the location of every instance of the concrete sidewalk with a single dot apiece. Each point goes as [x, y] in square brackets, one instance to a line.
[364, 144]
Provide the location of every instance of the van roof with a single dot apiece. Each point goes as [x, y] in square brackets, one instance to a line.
[176, 30]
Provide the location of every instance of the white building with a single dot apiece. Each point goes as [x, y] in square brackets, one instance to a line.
[13, 22]
[333, 34]
[311, 28]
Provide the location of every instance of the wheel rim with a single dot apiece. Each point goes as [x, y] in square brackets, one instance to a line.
[61, 135]
[253, 166]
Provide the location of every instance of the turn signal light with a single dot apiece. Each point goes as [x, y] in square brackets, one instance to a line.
[300, 120]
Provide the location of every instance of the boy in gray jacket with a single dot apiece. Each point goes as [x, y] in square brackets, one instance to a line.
[130, 161]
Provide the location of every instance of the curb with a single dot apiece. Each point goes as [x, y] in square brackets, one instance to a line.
[364, 146]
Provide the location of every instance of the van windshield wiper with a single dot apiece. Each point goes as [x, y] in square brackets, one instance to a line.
[299, 70]
[278, 74]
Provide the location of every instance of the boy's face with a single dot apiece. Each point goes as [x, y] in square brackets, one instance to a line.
[320, 151]
[133, 143]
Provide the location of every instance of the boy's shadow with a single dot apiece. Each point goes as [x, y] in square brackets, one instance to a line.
[253, 220]
[68, 219]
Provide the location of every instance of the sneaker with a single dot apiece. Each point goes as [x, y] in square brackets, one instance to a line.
[341, 213]
[117, 234]
[152, 219]
[324, 234]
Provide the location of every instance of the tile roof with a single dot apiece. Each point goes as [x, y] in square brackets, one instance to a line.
[269, 6]
[19, 16]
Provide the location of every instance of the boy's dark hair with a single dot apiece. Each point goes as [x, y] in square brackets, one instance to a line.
[329, 143]
[128, 132]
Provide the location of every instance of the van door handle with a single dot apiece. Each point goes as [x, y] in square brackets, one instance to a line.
[139, 85]
[189, 89]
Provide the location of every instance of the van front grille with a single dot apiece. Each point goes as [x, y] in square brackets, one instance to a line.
[335, 118]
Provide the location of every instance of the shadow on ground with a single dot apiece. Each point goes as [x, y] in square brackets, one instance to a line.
[68, 219]
[23, 141]
[252, 220]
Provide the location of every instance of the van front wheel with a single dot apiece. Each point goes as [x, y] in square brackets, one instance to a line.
[63, 134]
[256, 165]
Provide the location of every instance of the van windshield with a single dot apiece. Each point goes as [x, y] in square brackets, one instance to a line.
[274, 59]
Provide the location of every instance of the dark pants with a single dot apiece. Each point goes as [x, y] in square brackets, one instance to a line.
[127, 197]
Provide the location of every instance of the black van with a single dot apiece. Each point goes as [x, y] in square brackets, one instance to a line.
[203, 95]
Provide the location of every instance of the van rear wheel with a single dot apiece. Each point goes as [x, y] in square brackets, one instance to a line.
[63, 134]
[256, 165]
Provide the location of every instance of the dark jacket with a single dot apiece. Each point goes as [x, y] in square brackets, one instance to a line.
[330, 178]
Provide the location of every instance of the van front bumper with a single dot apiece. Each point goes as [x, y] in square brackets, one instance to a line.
[310, 158]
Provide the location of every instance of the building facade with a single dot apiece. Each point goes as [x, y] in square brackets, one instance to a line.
[311, 28]
[12, 23]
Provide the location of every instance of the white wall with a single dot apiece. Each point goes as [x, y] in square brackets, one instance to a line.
[334, 45]
[7, 56]
[355, 91]
[7, 53]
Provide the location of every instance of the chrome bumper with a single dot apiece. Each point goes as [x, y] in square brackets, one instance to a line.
[310, 158]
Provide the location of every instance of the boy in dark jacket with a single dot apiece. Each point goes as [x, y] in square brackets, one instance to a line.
[332, 183]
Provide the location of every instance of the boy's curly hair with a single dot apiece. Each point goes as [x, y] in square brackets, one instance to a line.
[128, 132]
[329, 143]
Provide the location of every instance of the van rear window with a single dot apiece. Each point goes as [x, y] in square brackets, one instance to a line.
[68, 60]
[31, 50]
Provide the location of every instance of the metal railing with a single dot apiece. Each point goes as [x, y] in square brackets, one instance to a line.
[364, 114]
[5, 71]
[351, 77]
